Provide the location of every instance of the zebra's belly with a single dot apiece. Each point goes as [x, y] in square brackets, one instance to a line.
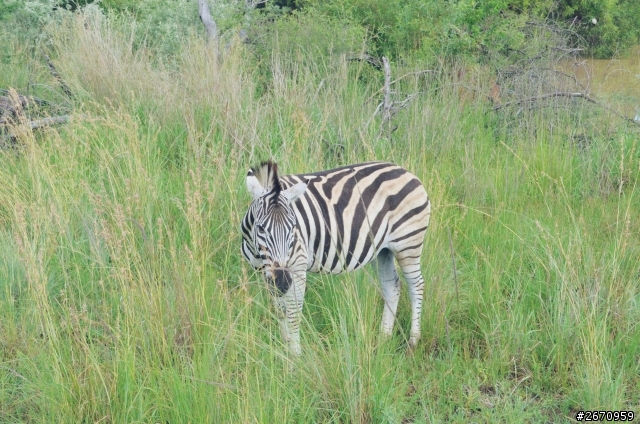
[342, 262]
[337, 270]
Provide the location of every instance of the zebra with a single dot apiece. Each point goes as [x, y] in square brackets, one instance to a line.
[335, 221]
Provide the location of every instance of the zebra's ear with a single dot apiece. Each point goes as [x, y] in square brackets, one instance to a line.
[254, 186]
[292, 193]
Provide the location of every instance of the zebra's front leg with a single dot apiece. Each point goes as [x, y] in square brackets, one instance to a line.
[289, 305]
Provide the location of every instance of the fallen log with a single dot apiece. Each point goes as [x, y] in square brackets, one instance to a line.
[8, 136]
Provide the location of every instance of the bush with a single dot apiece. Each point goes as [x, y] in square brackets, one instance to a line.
[616, 26]
[394, 26]
[425, 29]
[161, 25]
[25, 20]
[462, 28]
[308, 33]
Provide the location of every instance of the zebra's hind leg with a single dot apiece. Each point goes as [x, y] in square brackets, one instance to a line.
[409, 262]
[390, 284]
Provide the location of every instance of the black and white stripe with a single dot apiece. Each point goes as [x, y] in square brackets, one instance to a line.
[335, 221]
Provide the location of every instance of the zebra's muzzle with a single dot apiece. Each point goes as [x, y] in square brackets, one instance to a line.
[280, 278]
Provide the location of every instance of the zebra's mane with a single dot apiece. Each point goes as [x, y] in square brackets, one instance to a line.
[267, 175]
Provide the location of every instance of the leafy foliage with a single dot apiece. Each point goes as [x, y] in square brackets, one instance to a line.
[309, 33]
[608, 26]
[420, 29]
[462, 27]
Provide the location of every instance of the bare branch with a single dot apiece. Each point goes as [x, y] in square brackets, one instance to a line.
[415, 73]
[398, 106]
[571, 77]
[553, 28]
[57, 76]
[565, 94]
[568, 50]
[388, 106]
[544, 96]
[371, 60]
[209, 24]
[47, 122]
[12, 106]
[386, 112]
[8, 137]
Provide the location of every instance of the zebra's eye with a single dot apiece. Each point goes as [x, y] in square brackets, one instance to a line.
[260, 229]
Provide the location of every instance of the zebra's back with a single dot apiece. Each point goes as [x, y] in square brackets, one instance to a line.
[348, 215]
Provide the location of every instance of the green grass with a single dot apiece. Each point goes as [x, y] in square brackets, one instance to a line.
[124, 297]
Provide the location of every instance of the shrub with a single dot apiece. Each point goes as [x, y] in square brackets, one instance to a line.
[308, 34]
[616, 26]
[395, 26]
[161, 25]
[463, 27]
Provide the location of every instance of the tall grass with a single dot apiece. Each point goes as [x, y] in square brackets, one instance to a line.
[123, 296]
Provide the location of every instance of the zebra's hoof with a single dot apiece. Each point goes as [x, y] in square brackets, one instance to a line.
[413, 343]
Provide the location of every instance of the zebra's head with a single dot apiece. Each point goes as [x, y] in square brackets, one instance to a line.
[274, 222]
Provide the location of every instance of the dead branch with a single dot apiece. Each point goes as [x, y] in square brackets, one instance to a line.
[386, 111]
[371, 60]
[415, 73]
[9, 137]
[543, 97]
[398, 106]
[57, 76]
[209, 24]
[552, 28]
[571, 77]
[11, 106]
[569, 50]
[4, 94]
[584, 96]
[47, 122]
[388, 106]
